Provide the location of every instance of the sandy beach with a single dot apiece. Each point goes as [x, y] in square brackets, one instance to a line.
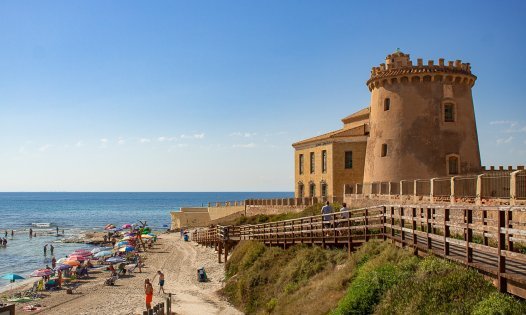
[178, 260]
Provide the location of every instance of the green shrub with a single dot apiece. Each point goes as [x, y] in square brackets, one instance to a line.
[499, 304]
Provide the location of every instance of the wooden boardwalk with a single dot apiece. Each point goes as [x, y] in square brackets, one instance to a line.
[489, 239]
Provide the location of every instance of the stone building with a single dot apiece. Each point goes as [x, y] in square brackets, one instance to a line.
[420, 124]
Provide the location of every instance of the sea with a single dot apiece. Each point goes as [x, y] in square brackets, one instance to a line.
[75, 213]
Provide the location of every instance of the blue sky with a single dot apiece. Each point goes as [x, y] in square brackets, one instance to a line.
[209, 95]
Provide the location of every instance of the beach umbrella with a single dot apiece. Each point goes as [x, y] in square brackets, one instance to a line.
[114, 260]
[126, 249]
[147, 236]
[127, 238]
[11, 277]
[127, 226]
[62, 260]
[77, 257]
[104, 253]
[42, 273]
[62, 267]
[122, 243]
[72, 263]
[100, 249]
[130, 234]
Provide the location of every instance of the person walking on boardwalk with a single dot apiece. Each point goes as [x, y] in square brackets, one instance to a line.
[148, 290]
[344, 215]
[326, 211]
[161, 281]
[45, 250]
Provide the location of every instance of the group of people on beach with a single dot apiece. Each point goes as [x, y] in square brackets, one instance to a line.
[51, 249]
[3, 241]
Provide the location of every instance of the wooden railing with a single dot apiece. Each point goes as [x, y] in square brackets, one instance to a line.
[490, 239]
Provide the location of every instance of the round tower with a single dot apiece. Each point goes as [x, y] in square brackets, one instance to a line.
[422, 120]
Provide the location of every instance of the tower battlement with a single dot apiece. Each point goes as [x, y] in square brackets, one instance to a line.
[398, 68]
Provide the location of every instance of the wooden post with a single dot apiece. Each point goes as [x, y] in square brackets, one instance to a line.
[485, 223]
[392, 224]
[169, 304]
[161, 308]
[509, 242]
[311, 234]
[384, 212]
[402, 225]
[349, 231]
[502, 281]
[428, 227]
[219, 252]
[226, 251]
[469, 235]
[413, 226]
[446, 232]
[366, 222]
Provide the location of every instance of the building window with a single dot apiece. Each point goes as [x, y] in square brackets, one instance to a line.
[449, 112]
[301, 190]
[387, 104]
[452, 165]
[312, 162]
[348, 159]
[323, 190]
[312, 190]
[324, 161]
[301, 164]
[384, 149]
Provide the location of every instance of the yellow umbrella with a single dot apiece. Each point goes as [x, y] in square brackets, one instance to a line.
[72, 262]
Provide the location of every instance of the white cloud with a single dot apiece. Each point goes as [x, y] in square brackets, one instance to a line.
[245, 146]
[194, 136]
[44, 148]
[79, 144]
[103, 142]
[145, 140]
[243, 134]
[504, 140]
[166, 139]
[503, 122]
[121, 141]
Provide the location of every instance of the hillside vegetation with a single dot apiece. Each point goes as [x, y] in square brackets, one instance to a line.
[378, 279]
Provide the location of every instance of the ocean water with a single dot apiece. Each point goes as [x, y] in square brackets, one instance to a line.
[79, 212]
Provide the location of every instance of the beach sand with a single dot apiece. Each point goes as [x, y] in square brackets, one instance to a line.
[178, 260]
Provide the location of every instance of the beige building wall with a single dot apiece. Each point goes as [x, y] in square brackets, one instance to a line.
[343, 176]
[336, 175]
[318, 176]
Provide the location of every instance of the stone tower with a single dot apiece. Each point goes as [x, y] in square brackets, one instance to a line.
[422, 120]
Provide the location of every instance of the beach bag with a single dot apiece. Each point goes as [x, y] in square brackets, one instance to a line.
[201, 275]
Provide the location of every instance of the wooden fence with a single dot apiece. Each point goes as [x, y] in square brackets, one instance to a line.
[490, 239]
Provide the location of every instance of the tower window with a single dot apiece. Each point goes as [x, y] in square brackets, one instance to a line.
[449, 112]
[348, 159]
[312, 190]
[384, 149]
[452, 165]
[324, 161]
[312, 162]
[301, 191]
[324, 190]
[301, 164]
[387, 104]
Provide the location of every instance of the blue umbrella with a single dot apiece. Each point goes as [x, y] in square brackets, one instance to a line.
[12, 277]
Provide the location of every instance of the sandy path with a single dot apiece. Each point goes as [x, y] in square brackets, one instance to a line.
[178, 260]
